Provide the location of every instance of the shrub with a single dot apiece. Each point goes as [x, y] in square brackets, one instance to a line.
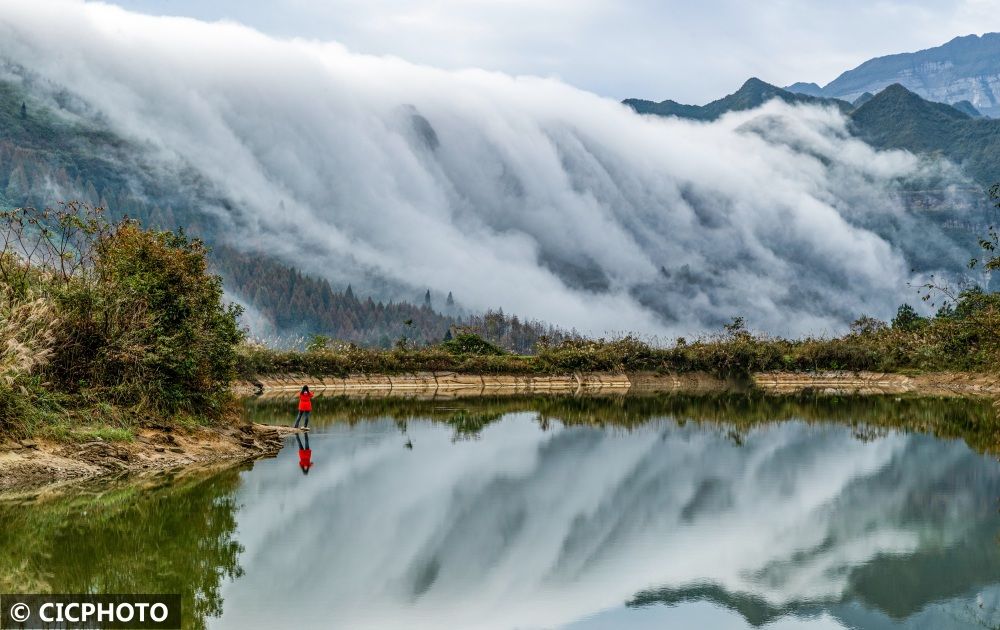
[113, 314]
[471, 343]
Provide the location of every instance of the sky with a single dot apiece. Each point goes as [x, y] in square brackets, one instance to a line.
[688, 51]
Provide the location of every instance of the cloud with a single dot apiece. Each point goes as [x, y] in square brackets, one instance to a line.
[519, 192]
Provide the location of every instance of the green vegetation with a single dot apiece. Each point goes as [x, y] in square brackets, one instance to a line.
[108, 324]
[899, 119]
[165, 534]
[964, 336]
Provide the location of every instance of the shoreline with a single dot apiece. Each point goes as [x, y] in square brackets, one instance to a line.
[455, 385]
[31, 468]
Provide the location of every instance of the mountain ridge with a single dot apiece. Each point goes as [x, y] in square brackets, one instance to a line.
[966, 68]
[895, 118]
[752, 94]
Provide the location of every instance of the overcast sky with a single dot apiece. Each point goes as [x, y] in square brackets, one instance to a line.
[680, 49]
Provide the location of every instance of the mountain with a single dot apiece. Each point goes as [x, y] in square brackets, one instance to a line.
[964, 69]
[900, 119]
[809, 89]
[861, 100]
[896, 118]
[753, 93]
[965, 107]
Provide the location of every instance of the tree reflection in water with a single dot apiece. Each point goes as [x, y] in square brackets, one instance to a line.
[162, 535]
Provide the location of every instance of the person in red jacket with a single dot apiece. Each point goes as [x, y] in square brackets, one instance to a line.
[305, 454]
[305, 407]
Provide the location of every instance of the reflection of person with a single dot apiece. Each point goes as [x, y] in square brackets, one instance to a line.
[305, 407]
[305, 454]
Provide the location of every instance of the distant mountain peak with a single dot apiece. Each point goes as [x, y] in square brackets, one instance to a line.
[809, 89]
[864, 98]
[967, 68]
[753, 83]
[901, 99]
[753, 93]
[967, 108]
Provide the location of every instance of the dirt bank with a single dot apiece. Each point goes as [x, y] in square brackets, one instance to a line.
[452, 385]
[862, 383]
[32, 467]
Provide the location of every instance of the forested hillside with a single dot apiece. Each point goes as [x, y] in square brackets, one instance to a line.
[299, 305]
[56, 150]
[897, 118]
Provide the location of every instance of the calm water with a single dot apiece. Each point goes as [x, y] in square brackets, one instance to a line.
[673, 513]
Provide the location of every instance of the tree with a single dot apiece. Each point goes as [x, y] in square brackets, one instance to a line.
[450, 302]
[907, 319]
[427, 298]
[867, 325]
[24, 111]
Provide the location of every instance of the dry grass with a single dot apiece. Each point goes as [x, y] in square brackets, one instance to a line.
[27, 334]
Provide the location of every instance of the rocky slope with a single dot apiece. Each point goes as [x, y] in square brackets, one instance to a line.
[964, 69]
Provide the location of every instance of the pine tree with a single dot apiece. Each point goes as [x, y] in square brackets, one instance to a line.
[427, 298]
[450, 302]
[24, 111]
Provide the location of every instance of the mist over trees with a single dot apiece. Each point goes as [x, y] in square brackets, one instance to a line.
[304, 305]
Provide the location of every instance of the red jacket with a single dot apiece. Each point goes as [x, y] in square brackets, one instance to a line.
[306, 401]
[305, 458]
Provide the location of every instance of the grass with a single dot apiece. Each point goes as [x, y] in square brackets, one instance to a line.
[965, 338]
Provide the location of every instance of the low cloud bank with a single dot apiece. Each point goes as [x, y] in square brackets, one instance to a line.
[517, 192]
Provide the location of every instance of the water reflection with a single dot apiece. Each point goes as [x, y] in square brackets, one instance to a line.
[305, 453]
[168, 534]
[731, 512]
[831, 522]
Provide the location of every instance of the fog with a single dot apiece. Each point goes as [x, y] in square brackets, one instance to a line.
[513, 192]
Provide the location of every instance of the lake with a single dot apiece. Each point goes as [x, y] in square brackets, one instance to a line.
[725, 512]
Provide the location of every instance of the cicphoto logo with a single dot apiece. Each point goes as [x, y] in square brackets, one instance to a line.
[35, 610]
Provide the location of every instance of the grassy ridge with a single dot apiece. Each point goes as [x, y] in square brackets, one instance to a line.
[964, 337]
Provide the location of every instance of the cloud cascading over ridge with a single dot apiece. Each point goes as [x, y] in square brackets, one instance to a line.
[517, 192]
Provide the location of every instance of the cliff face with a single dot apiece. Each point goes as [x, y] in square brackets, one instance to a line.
[965, 69]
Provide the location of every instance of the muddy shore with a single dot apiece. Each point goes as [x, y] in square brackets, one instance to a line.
[34, 467]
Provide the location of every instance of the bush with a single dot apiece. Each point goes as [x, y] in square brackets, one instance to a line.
[112, 315]
[470, 343]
